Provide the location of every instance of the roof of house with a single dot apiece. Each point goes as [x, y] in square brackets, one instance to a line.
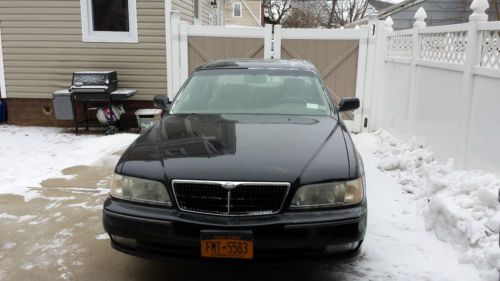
[397, 7]
[389, 10]
[380, 4]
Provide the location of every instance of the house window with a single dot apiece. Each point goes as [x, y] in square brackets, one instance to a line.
[109, 21]
[197, 6]
[237, 10]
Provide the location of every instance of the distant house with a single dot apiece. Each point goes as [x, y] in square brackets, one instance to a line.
[439, 12]
[43, 42]
[244, 13]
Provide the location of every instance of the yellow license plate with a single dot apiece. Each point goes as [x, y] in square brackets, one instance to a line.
[226, 245]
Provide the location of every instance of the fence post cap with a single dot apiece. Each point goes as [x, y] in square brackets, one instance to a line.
[478, 8]
[388, 23]
[420, 17]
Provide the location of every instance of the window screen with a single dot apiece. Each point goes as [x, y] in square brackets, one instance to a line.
[110, 15]
[237, 10]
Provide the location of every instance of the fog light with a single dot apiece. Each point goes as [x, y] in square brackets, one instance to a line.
[341, 248]
[124, 241]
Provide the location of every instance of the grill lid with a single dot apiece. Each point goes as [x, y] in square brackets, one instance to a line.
[227, 198]
[94, 81]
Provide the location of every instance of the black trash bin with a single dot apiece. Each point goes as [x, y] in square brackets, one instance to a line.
[3, 111]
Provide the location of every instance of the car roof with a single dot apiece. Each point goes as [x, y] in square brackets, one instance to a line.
[259, 64]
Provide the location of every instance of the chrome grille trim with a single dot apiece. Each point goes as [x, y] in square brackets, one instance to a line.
[236, 184]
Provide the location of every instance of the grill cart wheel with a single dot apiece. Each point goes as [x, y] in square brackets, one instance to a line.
[111, 130]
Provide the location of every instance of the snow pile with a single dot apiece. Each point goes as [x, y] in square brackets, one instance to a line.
[29, 155]
[460, 207]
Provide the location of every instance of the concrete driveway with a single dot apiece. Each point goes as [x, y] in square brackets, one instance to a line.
[58, 235]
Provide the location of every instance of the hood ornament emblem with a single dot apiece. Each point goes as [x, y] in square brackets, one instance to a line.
[229, 186]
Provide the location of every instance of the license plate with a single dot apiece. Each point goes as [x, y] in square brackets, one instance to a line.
[229, 245]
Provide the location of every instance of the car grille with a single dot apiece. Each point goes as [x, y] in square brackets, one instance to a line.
[230, 198]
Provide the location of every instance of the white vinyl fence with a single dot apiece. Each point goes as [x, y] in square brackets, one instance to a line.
[441, 85]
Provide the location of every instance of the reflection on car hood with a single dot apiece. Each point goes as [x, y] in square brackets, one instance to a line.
[252, 148]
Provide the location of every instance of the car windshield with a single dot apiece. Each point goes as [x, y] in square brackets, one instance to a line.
[253, 91]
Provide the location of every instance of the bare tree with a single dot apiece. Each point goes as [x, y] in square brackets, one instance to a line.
[305, 14]
[276, 10]
[313, 13]
[347, 11]
[330, 18]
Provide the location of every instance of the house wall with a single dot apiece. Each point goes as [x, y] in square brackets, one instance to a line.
[250, 13]
[42, 45]
[439, 12]
[185, 7]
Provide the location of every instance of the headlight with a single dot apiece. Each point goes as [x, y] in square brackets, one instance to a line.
[330, 194]
[140, 190]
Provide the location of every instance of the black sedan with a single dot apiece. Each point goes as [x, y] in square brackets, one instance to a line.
[251, 161]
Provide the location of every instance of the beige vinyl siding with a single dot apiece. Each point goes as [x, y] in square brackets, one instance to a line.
[185, 7]
[42, 42]
[246, 18]
[205, 13]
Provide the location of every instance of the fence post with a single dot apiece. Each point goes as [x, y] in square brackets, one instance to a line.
[272, 42]
[175, 20]
[419, 23]
[168, 43]
[473, 48]
[361, 77]
[380, 83]
[367, 117]
[384, 27]
[183, 53]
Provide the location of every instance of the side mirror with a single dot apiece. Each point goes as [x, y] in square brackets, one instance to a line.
[162, 102]
[348, 104]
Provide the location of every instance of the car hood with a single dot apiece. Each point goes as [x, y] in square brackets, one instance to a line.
[245, 148]
[276, 148]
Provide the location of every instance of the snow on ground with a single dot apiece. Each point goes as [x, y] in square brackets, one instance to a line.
[458, 207]
[29, 155]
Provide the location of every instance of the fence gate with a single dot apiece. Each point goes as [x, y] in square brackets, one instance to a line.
[203, 49]
[340, 55]
[194, 45]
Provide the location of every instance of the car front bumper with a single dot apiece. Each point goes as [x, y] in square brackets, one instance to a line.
[169, 234]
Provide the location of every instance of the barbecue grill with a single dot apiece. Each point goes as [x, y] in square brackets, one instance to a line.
[94, 82]
[97, 90]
